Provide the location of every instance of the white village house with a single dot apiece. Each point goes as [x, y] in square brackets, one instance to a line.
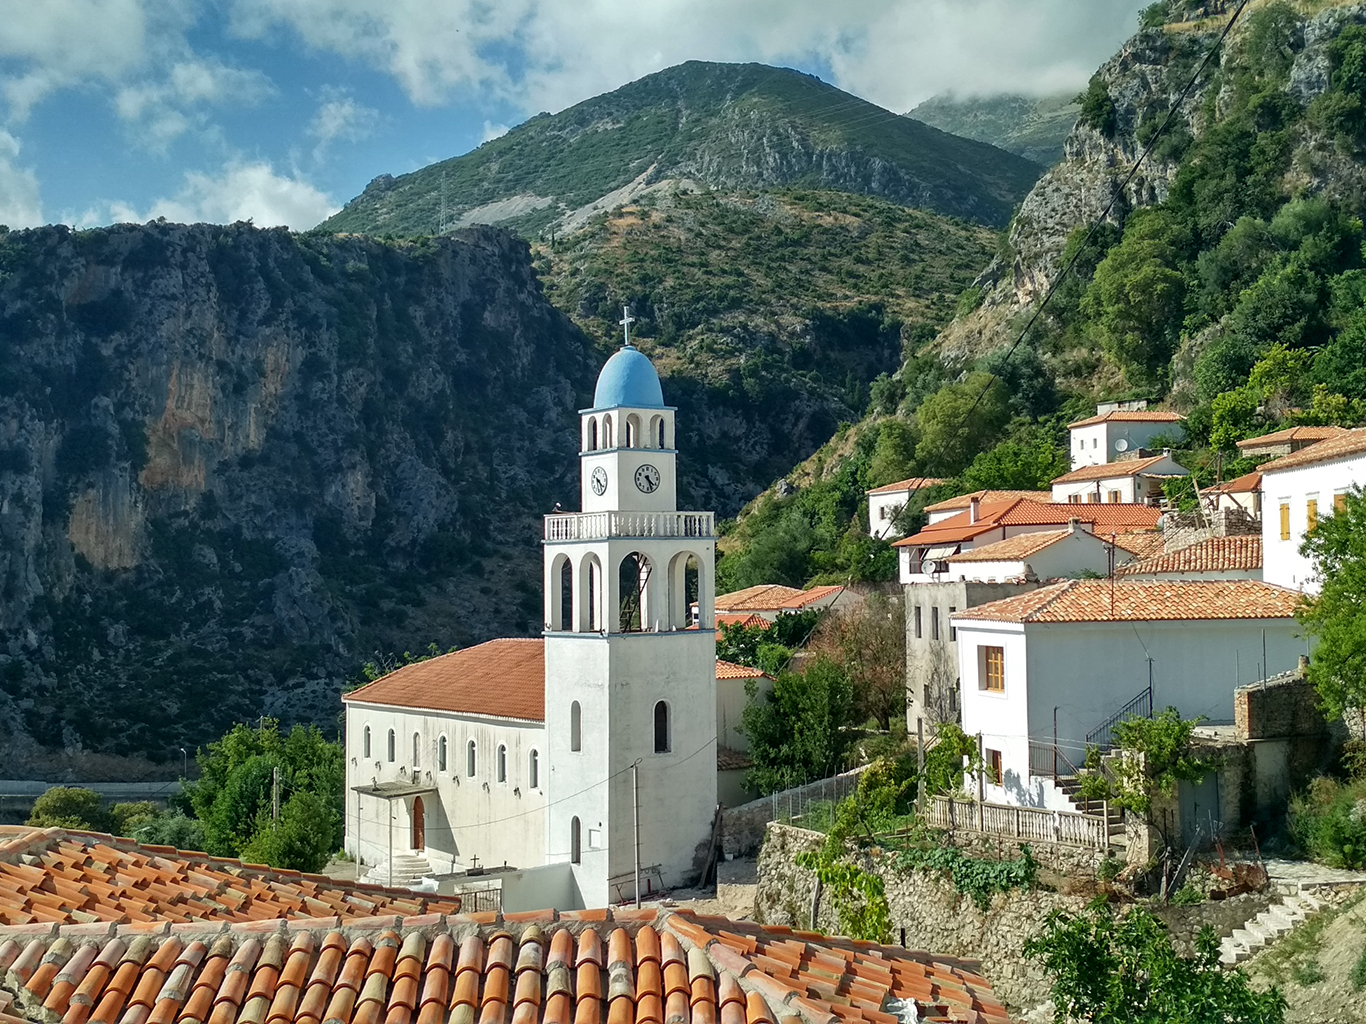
[886, 502]
[1299, 488]
[1044, 674]
[545, 753]
[1138, 480]
[1117, 430]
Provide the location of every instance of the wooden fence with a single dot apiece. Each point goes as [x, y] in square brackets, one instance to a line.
[1027, 823]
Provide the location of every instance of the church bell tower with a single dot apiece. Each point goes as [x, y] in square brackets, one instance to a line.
[630, 652]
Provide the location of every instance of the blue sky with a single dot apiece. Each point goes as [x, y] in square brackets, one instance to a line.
[281, 110]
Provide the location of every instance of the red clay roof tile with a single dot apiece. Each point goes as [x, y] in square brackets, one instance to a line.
[502, 678]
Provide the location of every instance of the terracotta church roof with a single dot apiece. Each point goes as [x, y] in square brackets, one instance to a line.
[406, 966]
[500, 678]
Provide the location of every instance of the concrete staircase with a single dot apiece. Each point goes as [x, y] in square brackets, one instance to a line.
[409, 868]
[1115, 821]
[1267, 927]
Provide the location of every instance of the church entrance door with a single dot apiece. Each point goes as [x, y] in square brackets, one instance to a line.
[419, 825]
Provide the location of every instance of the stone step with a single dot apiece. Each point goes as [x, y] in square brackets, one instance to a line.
[1273, 922]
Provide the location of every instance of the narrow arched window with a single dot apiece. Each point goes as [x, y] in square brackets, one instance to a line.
[417, 750]
[469, 759]
[662, 744]
[502, 763]
[593, 435]
[630, 432]
[533, 770]
[441, 754]
[608, 438]
[393, 747]
[661, 432]
[365, 742]
[575, 726]
[575, 848]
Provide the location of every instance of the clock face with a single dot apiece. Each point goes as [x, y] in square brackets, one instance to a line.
[647, 478]
[599, 481]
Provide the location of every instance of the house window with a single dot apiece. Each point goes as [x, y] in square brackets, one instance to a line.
[953, 630]
[1093, 498]
[994, 774]
[919, 633]
[365, 742]
[882, 512]
[502, 762]
[575, 726]
[1311, 514]
[1285, 520]
[1113, 497]
[441, 754]
[469, 759]
[533, 770]
[993, 669]
[575, 841]
[417, 750]
[393, 747]
[1339, 501]
[1074, 499]
[934, 623]
[662, 744]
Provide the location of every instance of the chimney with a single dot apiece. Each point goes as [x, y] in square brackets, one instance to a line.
[1304, 665]
[1073, 525]
[974, 509]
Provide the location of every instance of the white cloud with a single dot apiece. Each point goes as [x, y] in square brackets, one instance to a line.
[241, 191]
[547, 54]
[492, 131]
[20, 205]
[340, 117]
[160, 110]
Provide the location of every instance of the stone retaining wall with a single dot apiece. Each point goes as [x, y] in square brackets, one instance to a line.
[928, 913]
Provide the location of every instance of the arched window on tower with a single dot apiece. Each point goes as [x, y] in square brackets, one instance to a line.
[365, 743]
[609, 439]
[575, 847]
[502, 763]
[663, 741]
[393, 750]
[441, 754]
[657, 432]
[635, 614]
[533, 770]
[575, 726]
[469, 759]
[417, 750]
[633, 431]
[566, 596]
[593, 434]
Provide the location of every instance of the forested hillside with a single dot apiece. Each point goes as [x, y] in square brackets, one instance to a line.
[1034, 127]
[721, 126]
[1228, 281]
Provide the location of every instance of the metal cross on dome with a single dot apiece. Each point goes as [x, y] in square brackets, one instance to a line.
[626, 321]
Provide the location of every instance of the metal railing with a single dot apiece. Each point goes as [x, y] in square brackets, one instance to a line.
[1102, 736]
[1026, 823]
[1048, 761]
[602, 525]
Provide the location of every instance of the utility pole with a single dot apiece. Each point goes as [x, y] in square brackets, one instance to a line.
[275, 793]
[635, 824]
[390, 805]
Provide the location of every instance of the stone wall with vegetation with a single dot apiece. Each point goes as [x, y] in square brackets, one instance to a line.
[928, 913]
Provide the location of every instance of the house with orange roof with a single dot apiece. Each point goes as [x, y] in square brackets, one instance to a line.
[949, 507]
[1046, 674]
[1297, 490]
[1117, 430]
[886, 502]
[1287, 441]
[770, 600]
[1042, 555]
[1216, 558]
[1137, 480]
[1243, 493]
[95, 929]
[732, 750]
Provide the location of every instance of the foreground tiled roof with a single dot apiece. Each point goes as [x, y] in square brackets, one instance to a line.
[964, 500]
[1135, 416]
[1141, 601]
[1290, 435]
[730, 670]
[746, 619]
[67, 877]
[585, 967]
[915, 483]
[1110, 470]
[1218, 554]
[1104, 517]
[1340, 446]
[1012, 549]
[764, 597]
[1248, 483]
[500, 678]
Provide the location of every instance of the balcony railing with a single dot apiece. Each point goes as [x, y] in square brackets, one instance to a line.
[602, 525]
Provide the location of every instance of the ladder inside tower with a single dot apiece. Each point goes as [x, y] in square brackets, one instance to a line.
[633, 597]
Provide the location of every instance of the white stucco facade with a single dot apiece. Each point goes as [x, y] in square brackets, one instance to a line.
[1080, 552]
[495, 814]
[1080, 673]
[1096, 443]
[1286, 501]
[1124, 484]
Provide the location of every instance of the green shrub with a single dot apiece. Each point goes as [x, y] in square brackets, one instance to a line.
[1328, 822]
[70, 807]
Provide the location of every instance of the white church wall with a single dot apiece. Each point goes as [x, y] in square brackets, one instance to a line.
[468, 816]
[550, 885]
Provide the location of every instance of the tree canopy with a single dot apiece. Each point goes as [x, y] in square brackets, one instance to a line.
[1337, 616]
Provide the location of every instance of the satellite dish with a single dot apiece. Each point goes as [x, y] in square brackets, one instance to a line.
[1121, 445]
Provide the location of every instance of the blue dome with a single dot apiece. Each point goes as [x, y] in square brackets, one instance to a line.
[628, 379]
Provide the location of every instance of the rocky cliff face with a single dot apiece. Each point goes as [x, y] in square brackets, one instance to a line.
[234, 463]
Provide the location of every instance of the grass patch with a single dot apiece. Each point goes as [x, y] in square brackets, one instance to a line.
[1358, 975]
[1295, 957]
